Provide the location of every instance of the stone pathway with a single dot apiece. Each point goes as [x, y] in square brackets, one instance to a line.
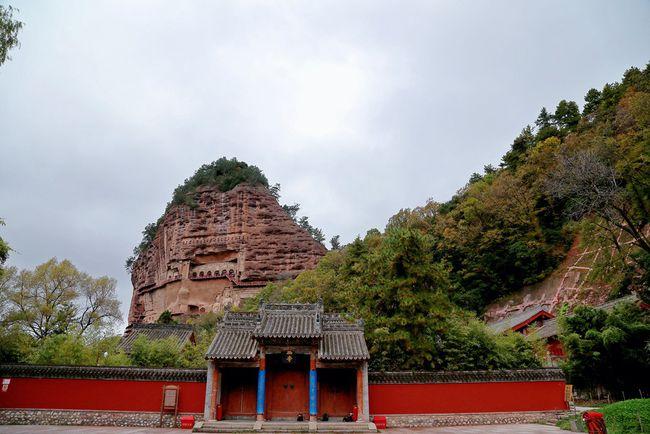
[476, 429]
[481, 429]
[52, 429]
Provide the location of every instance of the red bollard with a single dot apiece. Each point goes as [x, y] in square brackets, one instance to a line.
[595, 422]
[380, 422]
[187, 422]
[355, 413]
[219, 412]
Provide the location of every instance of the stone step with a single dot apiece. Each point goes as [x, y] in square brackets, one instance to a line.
[283, 427]
[212, 426]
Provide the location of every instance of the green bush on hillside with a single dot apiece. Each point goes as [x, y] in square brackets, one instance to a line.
[628, 417]
[609, 349]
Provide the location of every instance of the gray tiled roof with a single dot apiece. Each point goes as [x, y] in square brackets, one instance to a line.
[283, 320]
[547, 374]
[199, 375]
[234, 337]
[511, 321]
[551, 327]
[342, 339]
[238, 333]
[181, 332]
[103, 373]
[548, 329]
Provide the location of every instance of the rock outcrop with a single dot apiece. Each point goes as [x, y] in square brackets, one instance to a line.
[568, 284]
[215, 254]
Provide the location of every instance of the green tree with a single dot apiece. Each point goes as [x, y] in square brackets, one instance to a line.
[335, 242]
[166, 318]
[15, 345]
[567, 115]
[514, 157]
[592, 100]
[105, 351]
[97, 306]
[4, 250]
[546, 126]
[9, 28]
[469, 345]
[62, 349]
[544, 119]
[156, 353]
[224, 174]
[315, 232]
[57, 298]
[608, 349]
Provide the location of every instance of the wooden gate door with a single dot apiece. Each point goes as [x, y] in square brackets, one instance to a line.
[288, 393]
[336, 391]
[239, 393]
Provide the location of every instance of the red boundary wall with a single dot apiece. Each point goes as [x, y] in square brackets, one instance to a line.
[84, 394]
[137, 389]
[467, 397]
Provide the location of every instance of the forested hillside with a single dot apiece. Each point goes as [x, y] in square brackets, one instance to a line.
[570, 174]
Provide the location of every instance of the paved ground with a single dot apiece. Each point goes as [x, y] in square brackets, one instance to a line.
[478, 429]
[481, 429]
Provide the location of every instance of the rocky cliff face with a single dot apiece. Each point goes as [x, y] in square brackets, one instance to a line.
[569, 284]
[215, 254]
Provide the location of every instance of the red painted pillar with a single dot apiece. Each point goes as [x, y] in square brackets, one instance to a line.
[214, 393]
[359, 388]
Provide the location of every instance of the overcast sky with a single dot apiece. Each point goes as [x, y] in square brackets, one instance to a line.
[357, 109]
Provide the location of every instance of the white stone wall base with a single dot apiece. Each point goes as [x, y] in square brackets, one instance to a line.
[89, 417]
[460, 419]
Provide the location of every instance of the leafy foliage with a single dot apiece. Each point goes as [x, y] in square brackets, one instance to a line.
[4, 249]
[315, 232]
[56, 298]
[225, 174]
[608, 349]
[166, 318]
[15, 345]
[165, 352]
[393, 282]
[9, 28]
[627, 417]
[64, 349]
[156, 353]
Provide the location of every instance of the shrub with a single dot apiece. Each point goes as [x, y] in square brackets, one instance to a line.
[157, 353]
[628, 417]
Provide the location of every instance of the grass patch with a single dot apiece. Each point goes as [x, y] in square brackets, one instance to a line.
[623, 417]
[628, 417]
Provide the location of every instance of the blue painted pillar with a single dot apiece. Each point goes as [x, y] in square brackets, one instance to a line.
[313, 389]
[261, 388]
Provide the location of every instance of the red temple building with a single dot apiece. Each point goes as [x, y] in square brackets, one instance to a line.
[287, 362]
